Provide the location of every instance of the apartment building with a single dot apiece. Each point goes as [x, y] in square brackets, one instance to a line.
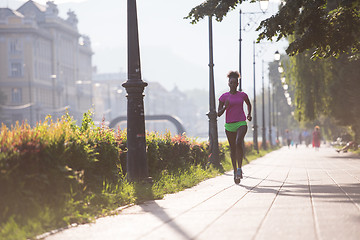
[45, 64]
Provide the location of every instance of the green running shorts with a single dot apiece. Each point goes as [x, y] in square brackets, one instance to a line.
[233, 127]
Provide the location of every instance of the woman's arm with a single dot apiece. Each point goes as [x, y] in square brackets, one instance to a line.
[221, 109]
[247, 101]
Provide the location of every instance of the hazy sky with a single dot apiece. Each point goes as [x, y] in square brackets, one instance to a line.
[173, 51]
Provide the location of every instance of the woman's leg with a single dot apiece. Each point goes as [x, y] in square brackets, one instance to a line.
[231, 136]
[240, 144]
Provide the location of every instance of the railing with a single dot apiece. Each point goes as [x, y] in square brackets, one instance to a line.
[180, 128]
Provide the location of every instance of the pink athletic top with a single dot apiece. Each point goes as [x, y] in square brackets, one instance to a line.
[235, 110]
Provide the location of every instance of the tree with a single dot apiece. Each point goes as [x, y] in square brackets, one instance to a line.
[344, 87]
[329, 27]
[328, 87]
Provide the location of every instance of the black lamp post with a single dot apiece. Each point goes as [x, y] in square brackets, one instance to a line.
[53, 82]
[277, 56]
[263, 6]
[263, 143]
[137, 168]
[213, 131]
[30, 96]
[269, 93]
[109, 100]
[255, 133]
[240, 40]
[276, 114]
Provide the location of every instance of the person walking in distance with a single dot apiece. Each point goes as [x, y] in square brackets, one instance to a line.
[316, 138]
[235, 122]
[288, 137]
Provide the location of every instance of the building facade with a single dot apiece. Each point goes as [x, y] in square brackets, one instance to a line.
[109, 96]
[45, 64]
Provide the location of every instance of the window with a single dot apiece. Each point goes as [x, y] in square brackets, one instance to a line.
[16, 95]
[16, 69]
[15, 46]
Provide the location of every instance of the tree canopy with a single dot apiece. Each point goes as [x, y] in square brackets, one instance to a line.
[329, 87]
[329, 27]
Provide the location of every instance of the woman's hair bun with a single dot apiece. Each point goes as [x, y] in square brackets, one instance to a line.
[233, 74]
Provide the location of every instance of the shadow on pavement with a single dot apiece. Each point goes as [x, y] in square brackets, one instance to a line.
[159, 212]
[347, 156]
[153, 208]
[324, 192]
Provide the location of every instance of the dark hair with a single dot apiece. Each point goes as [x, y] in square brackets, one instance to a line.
[233, 74]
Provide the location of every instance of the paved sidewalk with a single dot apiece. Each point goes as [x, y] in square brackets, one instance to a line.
[288, 194]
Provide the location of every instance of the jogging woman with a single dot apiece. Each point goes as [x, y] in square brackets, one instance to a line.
[235, 126]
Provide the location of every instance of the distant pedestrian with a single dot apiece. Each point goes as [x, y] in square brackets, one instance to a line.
[307, 138]
[300, 138]
[235, 127]
[316, 138]
[288, 137]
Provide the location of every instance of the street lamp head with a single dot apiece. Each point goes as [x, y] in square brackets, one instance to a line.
[277, 56]
[282, 3]
[264, 4]
[280, 69]
[289, 102]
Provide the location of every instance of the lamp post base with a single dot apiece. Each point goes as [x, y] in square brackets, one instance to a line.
[137, 168]
[213, 139]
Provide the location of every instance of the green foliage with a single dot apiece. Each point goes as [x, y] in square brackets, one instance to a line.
[172, 152]
[309, 79]
[171, 182]
[326, 87]
[343, 87]
[217, 8]
[330, 27]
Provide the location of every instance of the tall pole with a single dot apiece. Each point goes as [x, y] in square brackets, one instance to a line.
[30, 96]
[109, 100]
[276, 119]
[273, 105]
[274, 112]
[269, 94]
[263, 143]
[255, 140]
[92, 95]
[240, 40]
[53, 79]
[213, 132]
[137, 168]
